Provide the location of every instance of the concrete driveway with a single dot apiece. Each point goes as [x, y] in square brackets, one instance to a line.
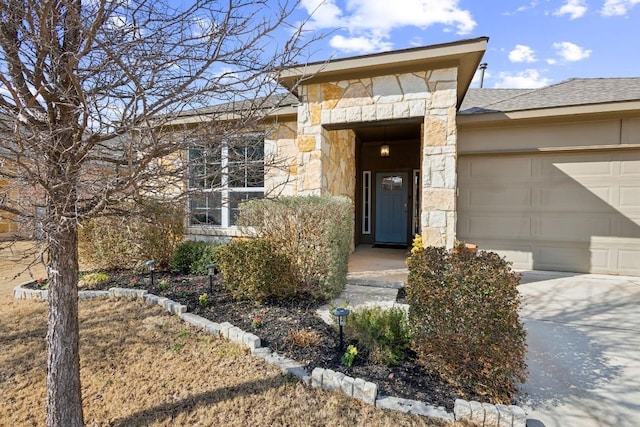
[584, 349]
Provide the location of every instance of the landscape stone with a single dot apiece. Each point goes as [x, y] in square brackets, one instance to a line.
[462, 409]
[491, 416]
[365, 391]
[477, 412]
[316, 377]
[505, 416]
[251, 340]
[346, 385]
[413, 407]
[519, 416]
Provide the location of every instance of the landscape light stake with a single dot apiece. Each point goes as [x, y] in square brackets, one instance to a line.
[212, 270]
[151, 265]
[341, 314]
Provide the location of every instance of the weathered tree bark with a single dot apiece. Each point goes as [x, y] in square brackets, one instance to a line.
[64, 397]
[64, 401]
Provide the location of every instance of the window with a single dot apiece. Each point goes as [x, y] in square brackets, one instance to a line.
[223, 175]
[366, 202]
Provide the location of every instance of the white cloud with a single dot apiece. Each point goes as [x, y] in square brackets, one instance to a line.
[574, 8]
[359, 44]
[551, 61]
[618, 7]
[375, 20]
[531, 5]
[527, 79]
[324, 14]
[522, 53]
[571, 52]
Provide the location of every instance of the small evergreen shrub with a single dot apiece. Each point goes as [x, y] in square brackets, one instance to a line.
[187, 254]
[464, 320]
[207, 256]
[315, 233]
[384, 333]
[254, 270]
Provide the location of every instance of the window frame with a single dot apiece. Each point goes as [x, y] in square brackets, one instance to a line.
[227, 205]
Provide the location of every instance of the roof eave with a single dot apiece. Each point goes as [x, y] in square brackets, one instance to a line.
[465, 55]
[623, 107]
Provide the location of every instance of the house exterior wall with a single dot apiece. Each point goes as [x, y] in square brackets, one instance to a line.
[325, 141]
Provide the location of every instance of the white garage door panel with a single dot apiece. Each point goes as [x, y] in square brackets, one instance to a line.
[557, 211]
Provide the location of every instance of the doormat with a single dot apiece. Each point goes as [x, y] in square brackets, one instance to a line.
[389, 246]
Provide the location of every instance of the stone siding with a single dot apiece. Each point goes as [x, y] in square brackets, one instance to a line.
[323, 142]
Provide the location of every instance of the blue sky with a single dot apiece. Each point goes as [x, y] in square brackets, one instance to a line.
[532, 43]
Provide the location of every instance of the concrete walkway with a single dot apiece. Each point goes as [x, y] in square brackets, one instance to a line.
[375, 275]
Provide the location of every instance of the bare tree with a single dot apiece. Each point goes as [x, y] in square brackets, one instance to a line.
[87, 92]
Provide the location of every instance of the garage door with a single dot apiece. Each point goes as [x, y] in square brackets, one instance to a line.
[568, 212]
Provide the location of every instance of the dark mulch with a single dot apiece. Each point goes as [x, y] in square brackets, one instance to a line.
[277, 318]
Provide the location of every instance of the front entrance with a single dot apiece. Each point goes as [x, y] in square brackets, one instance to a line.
[391, 208]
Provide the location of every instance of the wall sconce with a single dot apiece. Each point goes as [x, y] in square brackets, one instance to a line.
[384, 151]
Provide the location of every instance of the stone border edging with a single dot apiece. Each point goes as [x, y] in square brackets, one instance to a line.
[483, 414]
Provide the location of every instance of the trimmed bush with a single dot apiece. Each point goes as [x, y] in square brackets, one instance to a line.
[150, 229]
[464, 320]
[207, 256]
[187, 254]
[254, 270]
[383, 333]
[314, 232]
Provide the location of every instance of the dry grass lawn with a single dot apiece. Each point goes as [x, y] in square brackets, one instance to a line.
[141, 367]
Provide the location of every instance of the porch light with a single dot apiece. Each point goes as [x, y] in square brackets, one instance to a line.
[341, 314]
[384, 150]
[212, 270]
[151, 266]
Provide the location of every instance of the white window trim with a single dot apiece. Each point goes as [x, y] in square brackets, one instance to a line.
[225, 194]
[366, 202]
[415, 215]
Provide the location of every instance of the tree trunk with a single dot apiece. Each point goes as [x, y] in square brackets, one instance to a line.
[64, 398]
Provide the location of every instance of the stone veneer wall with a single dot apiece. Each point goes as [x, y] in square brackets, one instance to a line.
[281, 159]
[339, 163]
[439, 155]
[326, 159]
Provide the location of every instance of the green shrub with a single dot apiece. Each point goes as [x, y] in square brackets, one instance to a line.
[254, 270]
[464, 320]
[208, 256]
[147, 229]
[187, 253]
[383, 333]
[315, 232]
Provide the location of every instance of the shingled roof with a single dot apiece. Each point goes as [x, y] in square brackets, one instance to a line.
[567, 93]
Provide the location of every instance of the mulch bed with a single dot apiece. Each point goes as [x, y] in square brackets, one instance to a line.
[277, 318]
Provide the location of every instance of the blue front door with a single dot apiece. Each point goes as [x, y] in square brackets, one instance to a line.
[391, 208]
